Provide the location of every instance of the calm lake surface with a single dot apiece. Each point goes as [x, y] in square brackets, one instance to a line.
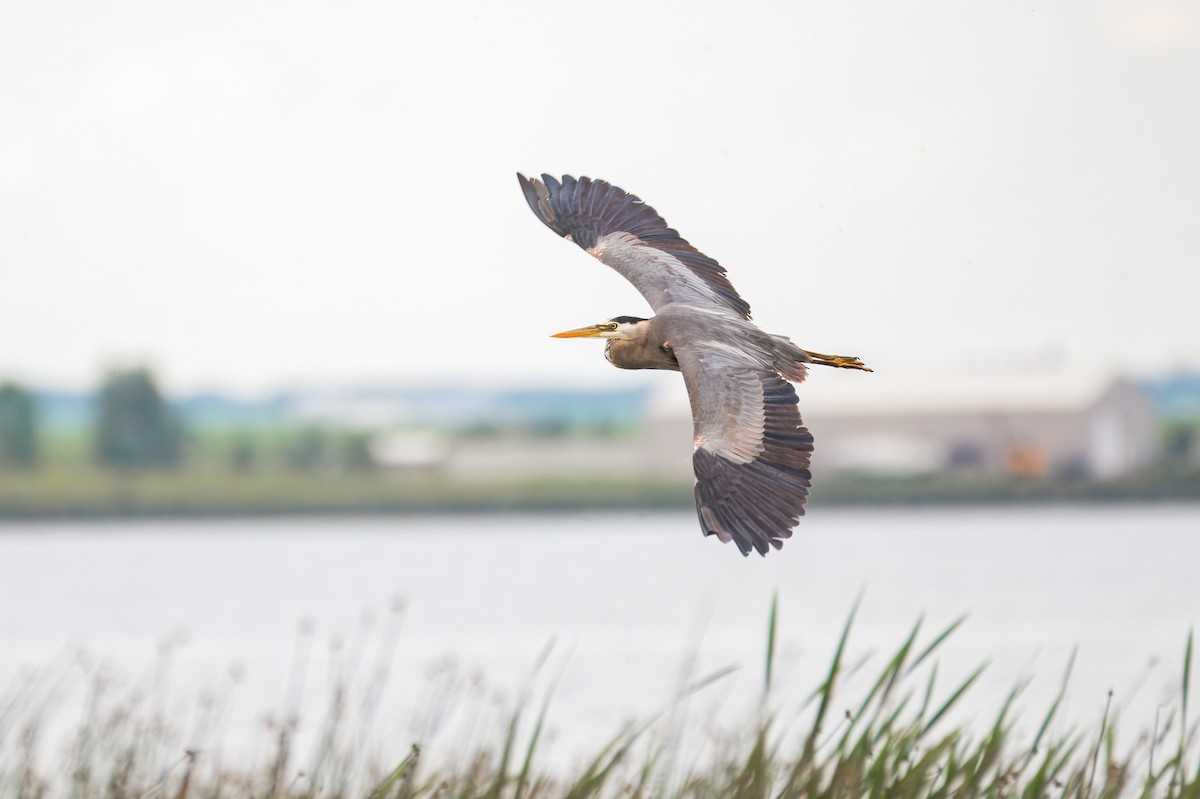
[634, 604]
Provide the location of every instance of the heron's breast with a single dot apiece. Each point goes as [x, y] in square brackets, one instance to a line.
[639, 355]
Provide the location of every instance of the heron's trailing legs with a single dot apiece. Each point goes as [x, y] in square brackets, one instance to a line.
[839, 361]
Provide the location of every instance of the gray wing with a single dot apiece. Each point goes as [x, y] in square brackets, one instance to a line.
[628, 235]
[751, 450]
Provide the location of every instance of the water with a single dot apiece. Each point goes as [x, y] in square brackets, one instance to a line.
[633, 603]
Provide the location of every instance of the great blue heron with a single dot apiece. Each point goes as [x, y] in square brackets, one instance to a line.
[750, 451]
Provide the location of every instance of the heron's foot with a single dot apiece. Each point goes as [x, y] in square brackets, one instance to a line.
[838, 361]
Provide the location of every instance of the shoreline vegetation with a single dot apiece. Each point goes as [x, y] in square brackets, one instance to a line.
[894, 734]
[127, 452]
[90, 492]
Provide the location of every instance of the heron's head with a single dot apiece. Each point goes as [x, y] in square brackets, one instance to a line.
[619, 328]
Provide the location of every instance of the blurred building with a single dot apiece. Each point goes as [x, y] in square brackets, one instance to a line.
[1051, 430]
[1036, 427]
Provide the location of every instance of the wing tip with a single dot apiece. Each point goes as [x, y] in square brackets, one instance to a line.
[750, 520]
[537, 194]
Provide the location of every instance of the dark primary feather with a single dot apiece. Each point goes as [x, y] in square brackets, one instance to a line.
[587, 211]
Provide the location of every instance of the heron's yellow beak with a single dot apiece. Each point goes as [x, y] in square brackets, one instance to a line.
[591, 331]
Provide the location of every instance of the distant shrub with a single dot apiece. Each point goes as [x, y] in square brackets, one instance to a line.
[18, 427]
[135, 428]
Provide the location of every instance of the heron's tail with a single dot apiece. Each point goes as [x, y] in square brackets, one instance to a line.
[790, 360]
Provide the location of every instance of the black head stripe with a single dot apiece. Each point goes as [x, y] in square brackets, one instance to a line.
[627, 320]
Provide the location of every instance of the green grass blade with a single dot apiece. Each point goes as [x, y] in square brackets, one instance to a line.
[1053, 711]
[1185, 689]
[398, 776]
[929, 685]
[954, 697]
[881, 690]
[771, 628]
[510, 738]
[935, 643]
[534, 739]
[825, 692]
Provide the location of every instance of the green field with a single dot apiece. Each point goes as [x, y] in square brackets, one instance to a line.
[83, 491]
[86, 492]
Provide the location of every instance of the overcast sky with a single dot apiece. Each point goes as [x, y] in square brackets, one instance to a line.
[246, 195]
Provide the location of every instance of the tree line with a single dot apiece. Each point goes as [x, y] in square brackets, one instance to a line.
[134, 425]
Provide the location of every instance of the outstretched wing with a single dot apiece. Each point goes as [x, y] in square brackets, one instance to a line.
[751, 450]
[628, 235]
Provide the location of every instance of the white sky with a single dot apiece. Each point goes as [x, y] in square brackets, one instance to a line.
[251, 194]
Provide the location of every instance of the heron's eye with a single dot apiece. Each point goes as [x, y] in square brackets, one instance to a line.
[608, 326]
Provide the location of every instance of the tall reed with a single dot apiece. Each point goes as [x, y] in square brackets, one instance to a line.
[895, 740]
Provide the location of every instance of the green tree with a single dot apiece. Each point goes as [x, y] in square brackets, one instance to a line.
[1181, 444]
[134, 426]
[356, 451]
[243, 452]
[306, 450]
[18, 427]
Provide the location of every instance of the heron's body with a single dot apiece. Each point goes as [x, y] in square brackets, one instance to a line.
[651, 348]
[750, 451]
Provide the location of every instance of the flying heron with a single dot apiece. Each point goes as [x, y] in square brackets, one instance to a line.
[751, 450]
